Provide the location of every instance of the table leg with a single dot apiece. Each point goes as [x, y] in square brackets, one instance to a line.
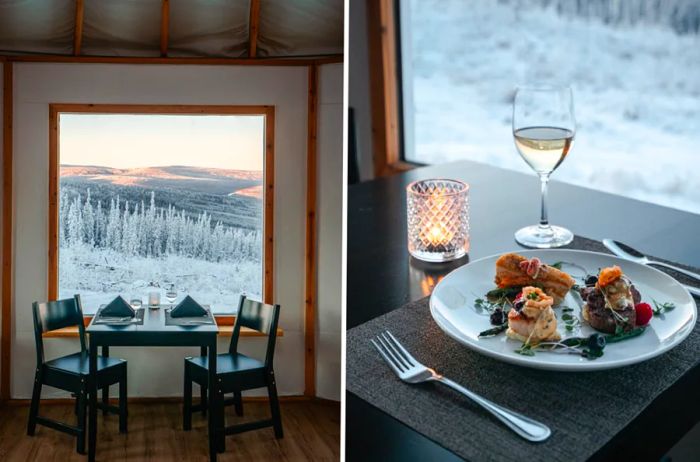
[213, 414]
[92, 420]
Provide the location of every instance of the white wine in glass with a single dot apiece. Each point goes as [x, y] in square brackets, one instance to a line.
[543, 128]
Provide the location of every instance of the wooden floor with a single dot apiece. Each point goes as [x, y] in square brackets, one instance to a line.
[311, 432]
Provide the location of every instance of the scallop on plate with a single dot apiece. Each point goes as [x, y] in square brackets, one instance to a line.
[458, 307]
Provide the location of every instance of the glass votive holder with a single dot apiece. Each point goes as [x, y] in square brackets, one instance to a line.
[154, 299]
[438, 219]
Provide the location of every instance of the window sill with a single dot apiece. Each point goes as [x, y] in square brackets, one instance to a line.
[225, 324]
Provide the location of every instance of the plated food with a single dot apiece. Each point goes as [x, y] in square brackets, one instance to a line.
[473, 304]
[611, 305]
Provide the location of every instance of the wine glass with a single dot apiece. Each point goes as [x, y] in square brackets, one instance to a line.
[543, 128]
[171, 292]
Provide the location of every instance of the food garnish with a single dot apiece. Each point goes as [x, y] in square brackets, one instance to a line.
[609, 275]
[660, 308]
[644, 313]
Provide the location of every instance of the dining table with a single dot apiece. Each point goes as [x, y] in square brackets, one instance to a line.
[382, 277]
[153, 332]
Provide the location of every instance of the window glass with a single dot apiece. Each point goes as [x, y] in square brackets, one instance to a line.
[634, 67]
[151, 200]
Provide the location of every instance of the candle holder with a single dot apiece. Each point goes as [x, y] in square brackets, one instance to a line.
[154, 299]
[438, 219]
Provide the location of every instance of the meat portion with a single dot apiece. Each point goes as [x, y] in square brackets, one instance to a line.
[601, 317]
[510, 272]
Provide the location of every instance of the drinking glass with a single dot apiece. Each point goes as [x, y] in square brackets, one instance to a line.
[544, 127]
[171, 293]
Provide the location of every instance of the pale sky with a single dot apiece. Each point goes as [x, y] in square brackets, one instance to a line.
[138, 140]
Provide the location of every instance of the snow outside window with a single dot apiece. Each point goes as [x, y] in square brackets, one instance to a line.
[634, 67]
[146, 200]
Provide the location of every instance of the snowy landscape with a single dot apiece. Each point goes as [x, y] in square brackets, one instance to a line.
[130, 231]
[634, 66]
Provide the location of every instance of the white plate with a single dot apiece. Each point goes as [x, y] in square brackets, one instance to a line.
[452, 307]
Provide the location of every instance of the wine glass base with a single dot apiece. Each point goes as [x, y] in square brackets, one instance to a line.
[539, 237]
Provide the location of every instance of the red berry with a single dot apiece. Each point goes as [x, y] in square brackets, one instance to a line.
[518, 297]
[644, 313]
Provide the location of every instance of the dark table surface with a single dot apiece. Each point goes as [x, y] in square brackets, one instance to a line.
[153, 323]
[381, 277]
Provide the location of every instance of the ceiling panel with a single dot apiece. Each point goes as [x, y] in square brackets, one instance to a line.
[300, 27]
[122, 28]
[208, 28]
[37, 26]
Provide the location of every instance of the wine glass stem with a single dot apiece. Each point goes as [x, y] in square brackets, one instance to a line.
[544, 220]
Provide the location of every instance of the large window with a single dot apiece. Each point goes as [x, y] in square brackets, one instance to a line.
[634, 66]
[146, 200]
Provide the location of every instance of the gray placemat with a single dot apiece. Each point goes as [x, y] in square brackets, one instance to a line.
[189, 321]
[136, 320]
[584, 410]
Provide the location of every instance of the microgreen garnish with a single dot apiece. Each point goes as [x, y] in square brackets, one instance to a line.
[505, 292]
[493, 331]
[571, 322]
[660, 308]
[557, 265]
[484, 305]
[533, 296]
[620, 336]
[526, 350]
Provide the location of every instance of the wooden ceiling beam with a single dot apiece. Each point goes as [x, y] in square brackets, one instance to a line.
[78, 30]
[164, 27]
[253, 28]
[165, 60]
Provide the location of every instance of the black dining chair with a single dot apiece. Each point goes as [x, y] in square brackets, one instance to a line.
[71, 373]
[237, 372]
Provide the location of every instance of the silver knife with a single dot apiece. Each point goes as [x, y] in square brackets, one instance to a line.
[613, 246]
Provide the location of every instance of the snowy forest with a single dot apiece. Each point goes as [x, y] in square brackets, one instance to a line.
[145, 230]
[128, 233]
[633, 65]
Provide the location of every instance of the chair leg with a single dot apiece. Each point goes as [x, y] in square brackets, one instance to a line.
[34, 408]
[187, 401]
[274, 405]
[203, 399]
[238, 402]
[123, 411]
[105, 399]
[219, 408]
[82, 418]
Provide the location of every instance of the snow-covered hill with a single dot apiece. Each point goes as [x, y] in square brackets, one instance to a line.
[208, 180]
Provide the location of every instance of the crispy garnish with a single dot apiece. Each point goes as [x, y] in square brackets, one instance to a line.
[609, 275]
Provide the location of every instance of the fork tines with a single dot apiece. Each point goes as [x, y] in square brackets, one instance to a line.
[394, 353]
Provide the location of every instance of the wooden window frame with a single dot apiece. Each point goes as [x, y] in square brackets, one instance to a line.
[385, 88]
[268, 173]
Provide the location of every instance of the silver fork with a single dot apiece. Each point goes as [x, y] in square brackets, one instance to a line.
[410, 370]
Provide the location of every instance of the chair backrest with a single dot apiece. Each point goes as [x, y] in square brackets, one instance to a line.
[257, 316]
[55, 315]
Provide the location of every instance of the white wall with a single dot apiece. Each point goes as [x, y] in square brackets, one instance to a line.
[158, 371]
[330, 225]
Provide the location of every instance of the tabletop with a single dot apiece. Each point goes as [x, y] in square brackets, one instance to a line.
[153, 331]
[381, 277]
